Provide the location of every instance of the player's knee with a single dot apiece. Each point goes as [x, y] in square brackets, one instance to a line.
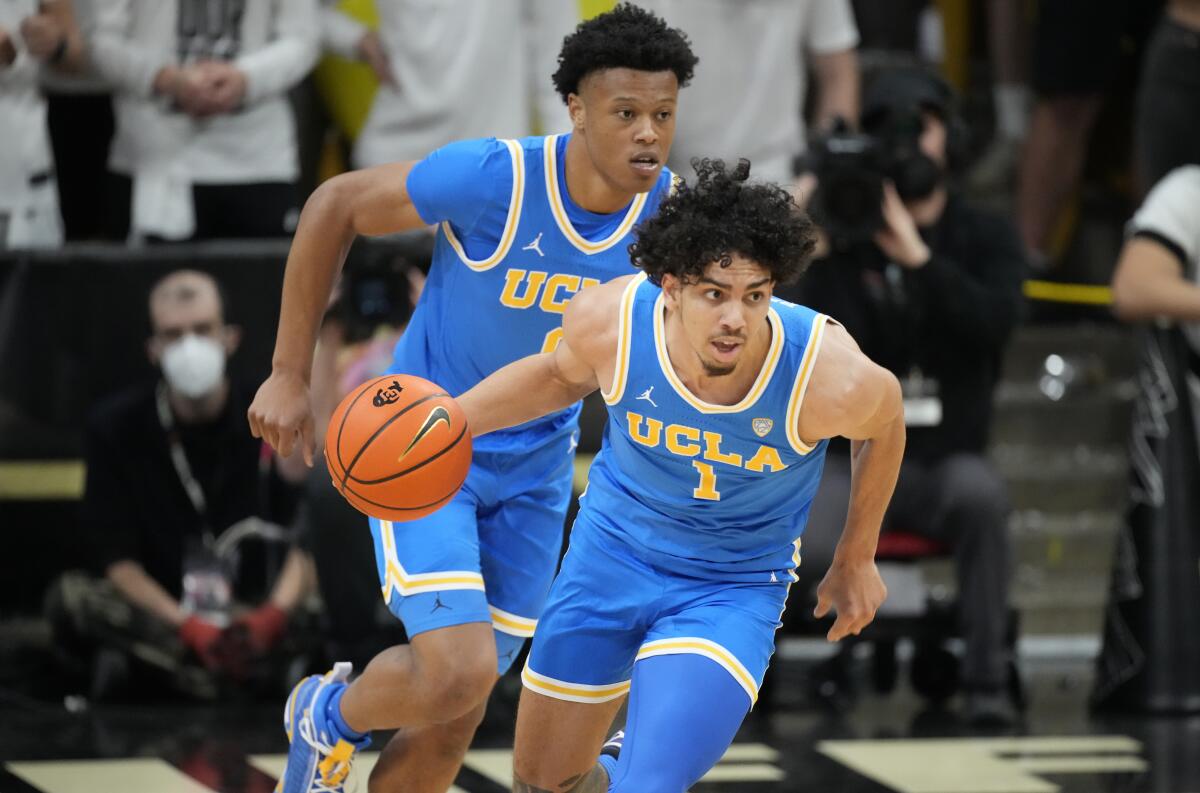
[461, 680]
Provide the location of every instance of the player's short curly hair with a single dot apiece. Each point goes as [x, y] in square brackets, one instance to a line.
[627, 37]
[720, 215]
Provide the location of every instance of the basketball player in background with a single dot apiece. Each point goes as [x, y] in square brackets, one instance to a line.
[720, 403]
[523, 225]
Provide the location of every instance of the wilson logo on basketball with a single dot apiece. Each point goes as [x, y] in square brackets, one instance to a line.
[387, 396]
[438, 415]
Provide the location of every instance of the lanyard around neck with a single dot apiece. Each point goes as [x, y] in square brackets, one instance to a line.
[183, 469]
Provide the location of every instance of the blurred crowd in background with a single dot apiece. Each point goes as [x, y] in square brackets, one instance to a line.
[146, 124]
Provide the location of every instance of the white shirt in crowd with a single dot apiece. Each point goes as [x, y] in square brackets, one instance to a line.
[747, 97]
[88, 81]
[165, 151]
[1171, 214]
[463, 69]
[29, 216]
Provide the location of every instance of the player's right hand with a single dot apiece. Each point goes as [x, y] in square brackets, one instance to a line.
[282, 415]
[854, 591]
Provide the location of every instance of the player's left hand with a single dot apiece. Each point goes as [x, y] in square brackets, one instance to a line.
[899, 238]
[854, 591]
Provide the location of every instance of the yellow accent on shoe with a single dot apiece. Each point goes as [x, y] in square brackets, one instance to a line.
[336, 765]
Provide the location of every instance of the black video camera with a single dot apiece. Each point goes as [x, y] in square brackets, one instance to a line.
[851, 168]
[375, 284]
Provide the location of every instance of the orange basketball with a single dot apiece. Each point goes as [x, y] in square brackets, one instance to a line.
[398, 447]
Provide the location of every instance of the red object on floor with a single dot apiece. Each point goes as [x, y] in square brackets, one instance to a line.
[903, 545]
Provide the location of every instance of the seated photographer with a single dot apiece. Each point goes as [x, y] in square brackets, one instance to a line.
[930, 287]
[181, 513]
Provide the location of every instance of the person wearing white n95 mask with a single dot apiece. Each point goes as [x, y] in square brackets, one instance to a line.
[193, 365]
[190, 343]
[185, 514]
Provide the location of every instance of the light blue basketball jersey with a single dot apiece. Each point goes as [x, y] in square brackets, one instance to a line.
[702, 489]
[477, 315]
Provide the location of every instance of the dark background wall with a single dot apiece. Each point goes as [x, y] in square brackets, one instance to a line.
[73, 326]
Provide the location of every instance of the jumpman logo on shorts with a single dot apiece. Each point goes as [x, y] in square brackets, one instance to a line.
[438, 604]
[646, 396]
[536, 245]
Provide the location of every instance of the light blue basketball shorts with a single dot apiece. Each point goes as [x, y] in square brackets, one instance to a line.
[489, 555]
[610, 607]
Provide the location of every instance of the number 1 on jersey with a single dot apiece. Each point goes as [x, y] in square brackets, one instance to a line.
[708, 482]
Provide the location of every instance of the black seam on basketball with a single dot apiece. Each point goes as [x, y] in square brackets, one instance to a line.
[337, 448]
[334, 472]
[383, 427]
[441, 500]
[424, 462]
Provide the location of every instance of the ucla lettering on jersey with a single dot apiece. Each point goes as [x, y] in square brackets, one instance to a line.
[479, 314]
[704, 488]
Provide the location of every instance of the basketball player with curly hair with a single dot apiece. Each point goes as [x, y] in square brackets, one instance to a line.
[522, 226]
[721, 401]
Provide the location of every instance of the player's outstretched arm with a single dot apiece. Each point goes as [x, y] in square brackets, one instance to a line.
[853, 397]
[541, 384]
[371, 201]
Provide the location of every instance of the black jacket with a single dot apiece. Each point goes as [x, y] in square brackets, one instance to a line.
[950, 319]
[135, 506]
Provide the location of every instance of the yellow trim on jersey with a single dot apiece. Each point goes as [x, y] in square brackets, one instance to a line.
[560, 213]
[774, 353]
[400, 580]
[510, 224]
[794, 577]
[795, 562]
[624, 335]
[572, 692]
[709, 649]
[512, 624]
[797, 399]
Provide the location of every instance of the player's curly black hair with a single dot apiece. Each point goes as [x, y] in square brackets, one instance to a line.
[720, 215]
[627, 37]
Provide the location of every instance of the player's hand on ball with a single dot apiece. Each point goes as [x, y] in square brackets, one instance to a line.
[282, 415]
[854, 591]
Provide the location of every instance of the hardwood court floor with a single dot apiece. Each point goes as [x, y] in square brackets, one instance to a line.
[881, 744]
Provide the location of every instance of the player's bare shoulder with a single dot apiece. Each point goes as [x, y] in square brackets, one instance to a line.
[849, 394]
[592, 319]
